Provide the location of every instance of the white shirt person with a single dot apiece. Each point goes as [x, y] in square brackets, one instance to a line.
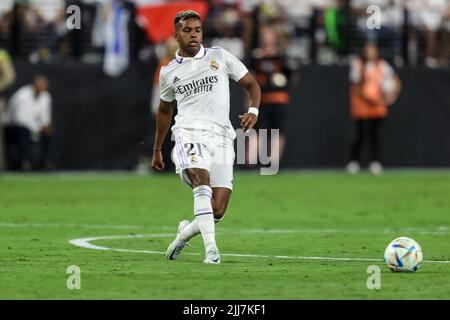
[28, 118]
[30, 110]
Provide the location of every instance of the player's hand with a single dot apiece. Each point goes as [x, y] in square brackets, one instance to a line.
[157, 161]
[248, 121]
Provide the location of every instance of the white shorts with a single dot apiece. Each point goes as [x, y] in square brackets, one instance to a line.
[211, 150]
[428, 19]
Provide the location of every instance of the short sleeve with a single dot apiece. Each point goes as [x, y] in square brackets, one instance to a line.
[235, 68]
[355, 71]
[165, 90]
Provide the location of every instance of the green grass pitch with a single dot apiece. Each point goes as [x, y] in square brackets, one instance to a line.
[293, 214]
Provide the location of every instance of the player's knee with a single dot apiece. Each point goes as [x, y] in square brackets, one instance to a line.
[198, 178]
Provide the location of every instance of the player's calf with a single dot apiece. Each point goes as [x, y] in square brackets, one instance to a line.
[204, 214]
[220, 199]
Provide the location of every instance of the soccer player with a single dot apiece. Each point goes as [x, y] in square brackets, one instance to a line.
[198, 80]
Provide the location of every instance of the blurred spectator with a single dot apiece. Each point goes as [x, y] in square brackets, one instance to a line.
[305, 23]
[311, 31]
[47, 11]
[326, 26]
[116, 15]
[388, 35]
[256, 12]
[7, 77]
[444, 56]
[298, 16]
[170, 48]
[306, 35]
[335, 26]
[223, 27]
[28, 121]
[45, 22]
[374, 87]
[428, 16]
[6, 7]
[273, 74]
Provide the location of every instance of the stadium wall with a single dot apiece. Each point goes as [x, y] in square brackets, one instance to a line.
[105, 124]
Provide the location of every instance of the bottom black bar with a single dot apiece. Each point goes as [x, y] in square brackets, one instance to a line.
[228, 309]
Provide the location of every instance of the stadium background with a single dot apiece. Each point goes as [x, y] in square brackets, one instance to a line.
[104, 122]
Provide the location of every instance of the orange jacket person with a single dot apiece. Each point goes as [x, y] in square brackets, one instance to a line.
[374, 87]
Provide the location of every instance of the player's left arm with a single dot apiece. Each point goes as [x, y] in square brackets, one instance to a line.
[248, 119]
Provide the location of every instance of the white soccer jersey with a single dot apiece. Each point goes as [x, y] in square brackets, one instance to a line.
[200, 86]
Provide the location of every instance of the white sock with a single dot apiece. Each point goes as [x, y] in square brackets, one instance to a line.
[204, 214]
[190, 231]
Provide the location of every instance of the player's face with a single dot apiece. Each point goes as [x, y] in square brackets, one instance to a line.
[189, 35]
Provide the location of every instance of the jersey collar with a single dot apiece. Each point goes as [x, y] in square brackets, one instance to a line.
[201, 53]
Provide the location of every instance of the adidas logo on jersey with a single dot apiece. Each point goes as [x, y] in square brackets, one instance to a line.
[175, 80]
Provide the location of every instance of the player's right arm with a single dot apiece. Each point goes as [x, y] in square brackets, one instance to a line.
[163, 120]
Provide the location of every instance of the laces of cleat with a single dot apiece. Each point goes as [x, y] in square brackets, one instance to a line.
[179, 248]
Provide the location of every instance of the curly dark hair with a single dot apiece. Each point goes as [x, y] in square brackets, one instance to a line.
[183, 15]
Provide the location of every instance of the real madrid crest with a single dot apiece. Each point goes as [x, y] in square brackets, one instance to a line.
[214, 65]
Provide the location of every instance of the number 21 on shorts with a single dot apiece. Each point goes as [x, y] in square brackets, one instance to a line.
[194, 150]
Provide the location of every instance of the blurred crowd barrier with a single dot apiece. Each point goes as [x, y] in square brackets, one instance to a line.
[105, 123]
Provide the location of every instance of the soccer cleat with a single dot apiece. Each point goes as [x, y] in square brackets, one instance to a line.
[175, 248]
[212, 256]
[353, 167]
[376, 168]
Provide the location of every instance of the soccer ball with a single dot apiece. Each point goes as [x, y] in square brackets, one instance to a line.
[403, 254]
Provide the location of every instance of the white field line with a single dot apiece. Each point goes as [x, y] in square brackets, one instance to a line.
[85, 243]
[442, 230]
